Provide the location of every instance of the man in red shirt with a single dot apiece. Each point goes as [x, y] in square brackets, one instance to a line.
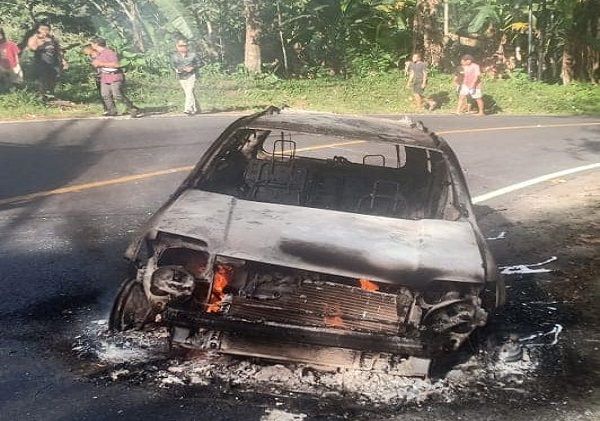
[111, 78]
[10, 69]
[471, 84]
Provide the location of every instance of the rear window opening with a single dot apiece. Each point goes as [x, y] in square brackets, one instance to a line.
[329, 172]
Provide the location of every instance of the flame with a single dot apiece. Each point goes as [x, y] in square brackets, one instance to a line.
[223, 276]
[368, 285]
[334, 321]
[333, 316]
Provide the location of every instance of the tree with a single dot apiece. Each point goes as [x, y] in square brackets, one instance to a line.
[252, 49]
[427, 30]
[581, 49]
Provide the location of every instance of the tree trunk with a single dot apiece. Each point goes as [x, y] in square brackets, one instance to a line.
[281, 39]
[136, 27]
[428, 35]
[252, 54]
[568, 68]
[130, 10]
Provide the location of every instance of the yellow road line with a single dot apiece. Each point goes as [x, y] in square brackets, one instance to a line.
[533, 126]
[92, 185]
[131, 178]
[329, 145]
[144, 176]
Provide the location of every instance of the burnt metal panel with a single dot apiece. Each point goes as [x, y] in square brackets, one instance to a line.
[388, 250]
[353, 127]
[292, 333]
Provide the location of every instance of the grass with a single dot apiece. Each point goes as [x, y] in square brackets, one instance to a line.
[383, 94]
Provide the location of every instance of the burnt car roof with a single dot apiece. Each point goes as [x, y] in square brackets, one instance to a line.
[356, 127]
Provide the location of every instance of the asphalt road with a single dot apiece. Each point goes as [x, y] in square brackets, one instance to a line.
[60, 258]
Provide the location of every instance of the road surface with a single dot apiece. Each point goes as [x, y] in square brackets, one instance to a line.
[72, 193]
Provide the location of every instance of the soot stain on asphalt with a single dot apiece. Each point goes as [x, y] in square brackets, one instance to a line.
[57, 307]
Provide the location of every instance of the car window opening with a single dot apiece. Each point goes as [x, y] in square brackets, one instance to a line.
[326, 172]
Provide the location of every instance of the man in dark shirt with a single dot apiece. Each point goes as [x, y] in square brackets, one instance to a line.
[417, 80]
[186, 64]
[111, 78]
[48, 59]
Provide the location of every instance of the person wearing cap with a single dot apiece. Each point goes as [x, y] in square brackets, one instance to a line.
[471, 84]
[186, 64]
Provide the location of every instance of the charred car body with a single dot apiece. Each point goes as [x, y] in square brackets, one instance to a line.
[289, 241]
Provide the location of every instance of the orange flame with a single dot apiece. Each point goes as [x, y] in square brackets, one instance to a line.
[223, 276]
[368, 285]
[333, 316]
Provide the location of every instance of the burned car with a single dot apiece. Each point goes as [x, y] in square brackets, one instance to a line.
[319, 238]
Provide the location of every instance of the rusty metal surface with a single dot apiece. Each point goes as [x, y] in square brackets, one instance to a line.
[407, 252]
[325, 357]
[349, 126]
[285, 332]
[326, 304]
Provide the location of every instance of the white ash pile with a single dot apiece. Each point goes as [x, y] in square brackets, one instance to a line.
[97, 343]
[144, 355]
[365, 386]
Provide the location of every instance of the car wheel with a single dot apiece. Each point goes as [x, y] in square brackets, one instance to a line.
[131, 309]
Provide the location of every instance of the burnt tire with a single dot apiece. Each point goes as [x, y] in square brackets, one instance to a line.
[131, 309]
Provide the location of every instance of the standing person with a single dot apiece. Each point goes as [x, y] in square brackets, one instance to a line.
[186, 64]
[459, 77]
[417, 80]
[471, 85]
[10, 69]
[111, 79]
[91, 55]
[48, 59]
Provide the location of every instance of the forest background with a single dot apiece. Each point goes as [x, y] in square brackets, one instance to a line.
[540, 56]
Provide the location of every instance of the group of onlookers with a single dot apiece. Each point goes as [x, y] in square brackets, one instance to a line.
[48, 60]
[467, 81]
[49, 63]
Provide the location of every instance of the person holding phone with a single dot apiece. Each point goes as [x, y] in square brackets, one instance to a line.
[186, 64]
[48, 59]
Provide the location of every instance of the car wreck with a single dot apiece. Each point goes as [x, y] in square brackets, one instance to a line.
[337, 241]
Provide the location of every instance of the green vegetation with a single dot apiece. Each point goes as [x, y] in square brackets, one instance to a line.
[383, 93]
[338, 55]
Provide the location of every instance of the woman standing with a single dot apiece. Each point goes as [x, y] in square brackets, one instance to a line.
[48, 59]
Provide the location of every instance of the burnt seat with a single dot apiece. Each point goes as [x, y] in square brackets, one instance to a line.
[275, 181]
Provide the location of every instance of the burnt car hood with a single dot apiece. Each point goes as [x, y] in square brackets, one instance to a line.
[389, 250]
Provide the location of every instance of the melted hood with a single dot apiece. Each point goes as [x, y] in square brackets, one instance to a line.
[389, 250]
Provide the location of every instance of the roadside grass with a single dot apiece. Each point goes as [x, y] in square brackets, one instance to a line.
[382, 94]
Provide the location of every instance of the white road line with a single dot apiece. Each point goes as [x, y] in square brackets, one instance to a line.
[533, 181]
